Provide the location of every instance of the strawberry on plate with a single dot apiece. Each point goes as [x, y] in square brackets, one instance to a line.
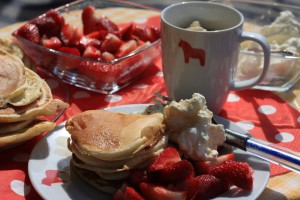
[174, 172]
[158, 192]
[126, 192]
[168, 156]
[202, 167]
[205, 186]
[234, 173]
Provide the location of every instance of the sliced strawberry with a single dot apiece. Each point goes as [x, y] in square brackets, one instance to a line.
[99, 71]
[70, 35]
[52, 43]
[111, 43]
[106, 56]
[168, 156]
[205, 186]
[174, 172]
[145, 33]
[157, 192]
[234, 173]
[49, 24]
[70, 50]
[93, 23]
[137, 176]
[91, 52]
[30, 32]
[100, 35]
[120, 193]
[202, 167]
[126, 48]
[85, 42]
[132, 194]
[124, 31]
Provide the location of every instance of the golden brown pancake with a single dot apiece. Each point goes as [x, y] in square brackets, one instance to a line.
[6, 128]
[32, 130]
[32, 92]
[111, 135]
[12, 77]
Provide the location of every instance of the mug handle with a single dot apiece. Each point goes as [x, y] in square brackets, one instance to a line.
[237, 85]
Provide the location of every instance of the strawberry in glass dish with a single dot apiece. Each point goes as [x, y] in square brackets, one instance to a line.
[122, 47]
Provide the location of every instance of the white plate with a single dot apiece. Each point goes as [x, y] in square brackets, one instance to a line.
[51, 155]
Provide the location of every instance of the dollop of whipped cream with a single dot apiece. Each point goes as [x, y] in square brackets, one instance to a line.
[283, 33]
[188, 123]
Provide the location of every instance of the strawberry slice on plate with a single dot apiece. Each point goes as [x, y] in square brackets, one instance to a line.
[205, 186]
[202, 167]
[168, 156]
[234, 173]
[157, 192]
[174, 172]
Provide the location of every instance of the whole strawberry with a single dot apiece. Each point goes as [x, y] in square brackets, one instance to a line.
[234, 173]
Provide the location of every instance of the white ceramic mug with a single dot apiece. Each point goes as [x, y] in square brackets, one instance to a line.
[205, 62]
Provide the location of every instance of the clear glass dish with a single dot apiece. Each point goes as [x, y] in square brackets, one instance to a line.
[284, 69]
[114, 74]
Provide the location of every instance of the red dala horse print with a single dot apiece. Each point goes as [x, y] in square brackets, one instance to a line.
[190, 52]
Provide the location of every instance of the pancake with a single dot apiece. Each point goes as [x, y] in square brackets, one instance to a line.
[34, 129]
[32, 92]
[114, 136]
[130, 162]
[12, 77]
[14, 49]
[45, 105]
[95, 180]
[14, 126]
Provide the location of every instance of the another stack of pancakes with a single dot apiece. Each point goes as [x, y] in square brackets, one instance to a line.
[107, 145]
[24, 99]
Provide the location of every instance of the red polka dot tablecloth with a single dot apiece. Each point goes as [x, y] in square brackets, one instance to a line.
[263, 114]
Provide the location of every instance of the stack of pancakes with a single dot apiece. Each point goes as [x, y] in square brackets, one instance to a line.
[107, 145]
[24, 99]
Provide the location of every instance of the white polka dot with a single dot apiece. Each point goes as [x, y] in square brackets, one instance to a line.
[141, 20]
[81, 95]
[21, 157]
[113, 98]
[298, 119]
[160, 74]
[233, 98]
[267, 109]
[52, 83]
[284, 137]
[20, 188]
[141, 86]
[247, 125]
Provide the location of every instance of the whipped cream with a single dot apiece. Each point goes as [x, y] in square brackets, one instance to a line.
[188, 123]
[283, 33]
[195, 26]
